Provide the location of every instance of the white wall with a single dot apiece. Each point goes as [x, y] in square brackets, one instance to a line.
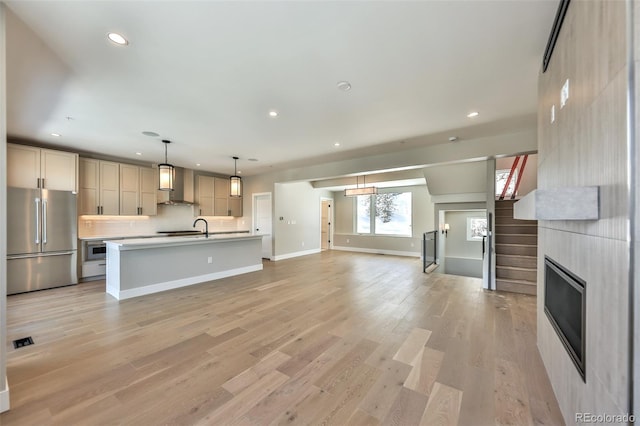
[4, 387]
[297, 219]
[346, 238]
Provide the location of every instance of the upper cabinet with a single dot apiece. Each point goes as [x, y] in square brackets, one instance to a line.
[99, 187]
[213, 197]
[138, 190]
[205, 194]
[109, 188]
[30, 167]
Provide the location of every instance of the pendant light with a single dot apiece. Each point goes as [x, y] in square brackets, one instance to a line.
[166, 171]
[235, 180]
[365, 190]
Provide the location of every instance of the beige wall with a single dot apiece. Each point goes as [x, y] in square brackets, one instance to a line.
[586, 145]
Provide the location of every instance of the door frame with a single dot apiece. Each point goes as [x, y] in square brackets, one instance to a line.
[254, 206]
[331, 221]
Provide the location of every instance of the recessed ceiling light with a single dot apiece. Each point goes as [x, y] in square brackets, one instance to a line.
[239, 172]
[473, 114]
[273, 113]
[56, 135]
[117, 39]
[197, 164]
[453, 138]
[345, 86]
[253, 159]
[152, 134]
[138, 153]
[336, 144]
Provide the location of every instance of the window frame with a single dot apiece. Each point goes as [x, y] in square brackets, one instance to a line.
[372, 215]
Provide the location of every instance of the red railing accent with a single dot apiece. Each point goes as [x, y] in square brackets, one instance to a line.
[506, 185]
[524, 163]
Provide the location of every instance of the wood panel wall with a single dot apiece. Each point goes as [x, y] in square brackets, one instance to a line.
[587, 145]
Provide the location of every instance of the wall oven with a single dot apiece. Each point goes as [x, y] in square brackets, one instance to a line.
[94, 260]
[95, 250]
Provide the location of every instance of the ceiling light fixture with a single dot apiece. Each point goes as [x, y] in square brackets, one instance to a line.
[166, 171]
[152, 134]
[453, 138]
[365, 190]
[473, 114]
[56, 135]
[235, 189]
[273, 113]
[138, 153]
[336, 144]
[345, 86]
[118, 39]
[253, 159]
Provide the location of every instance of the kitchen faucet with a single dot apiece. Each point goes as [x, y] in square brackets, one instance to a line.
[206, 226]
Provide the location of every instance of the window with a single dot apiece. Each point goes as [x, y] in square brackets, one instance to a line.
[501, 180]
[476, 228]
[384, 214]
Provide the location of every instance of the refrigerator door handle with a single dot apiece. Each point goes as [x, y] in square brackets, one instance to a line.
[35, 255]
[37, 220]
[44, 220]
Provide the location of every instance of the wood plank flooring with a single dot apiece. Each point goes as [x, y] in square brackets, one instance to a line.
[334, 338]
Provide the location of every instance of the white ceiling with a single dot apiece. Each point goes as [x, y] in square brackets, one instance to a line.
[205, 74]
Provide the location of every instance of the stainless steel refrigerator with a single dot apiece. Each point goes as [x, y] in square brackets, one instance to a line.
[42, 240]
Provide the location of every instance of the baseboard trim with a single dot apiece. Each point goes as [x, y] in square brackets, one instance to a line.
[296, 254]
[379, 251]
[183, 282]
[4, 398]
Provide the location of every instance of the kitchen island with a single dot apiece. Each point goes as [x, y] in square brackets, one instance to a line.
[136, 267]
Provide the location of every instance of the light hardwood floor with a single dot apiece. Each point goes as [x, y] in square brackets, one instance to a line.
[334, 338]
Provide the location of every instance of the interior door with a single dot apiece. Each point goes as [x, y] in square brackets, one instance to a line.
[324, 225]
[262, 221]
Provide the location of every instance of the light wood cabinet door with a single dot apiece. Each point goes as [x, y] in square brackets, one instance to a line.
[89, 195]
[235, 206]
[109, 188]
[23, 166]
[221, 203]
[59, 170]
[148, 191]
[129, 189]
[205, 195]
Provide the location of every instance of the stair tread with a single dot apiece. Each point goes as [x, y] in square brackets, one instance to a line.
[519, 256]
[516, 245]
[519, 268]
[509, 280]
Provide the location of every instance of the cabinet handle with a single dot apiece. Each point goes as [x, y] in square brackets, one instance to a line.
[38, 182]
[97, 209]
[42, 183]
[200, 212]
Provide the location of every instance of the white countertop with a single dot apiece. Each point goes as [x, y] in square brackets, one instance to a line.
[142, 243]
[156, 235]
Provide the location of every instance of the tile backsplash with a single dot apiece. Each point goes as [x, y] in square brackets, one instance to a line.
[169, 218]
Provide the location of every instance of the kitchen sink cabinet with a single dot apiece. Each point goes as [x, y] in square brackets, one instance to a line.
[31, 167]
[137, 190]
[99, 187]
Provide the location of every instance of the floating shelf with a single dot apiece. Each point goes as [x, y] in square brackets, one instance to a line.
[578, 203]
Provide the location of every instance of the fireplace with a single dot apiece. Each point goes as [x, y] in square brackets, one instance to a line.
[565, 306]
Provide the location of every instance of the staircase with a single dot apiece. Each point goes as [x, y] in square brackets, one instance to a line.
[516, 251]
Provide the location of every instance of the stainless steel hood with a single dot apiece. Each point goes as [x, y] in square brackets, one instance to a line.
[183, 188]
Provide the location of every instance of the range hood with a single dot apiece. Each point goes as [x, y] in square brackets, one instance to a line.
[182, 194]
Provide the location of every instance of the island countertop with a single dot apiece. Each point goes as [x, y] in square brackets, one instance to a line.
[145, 243]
